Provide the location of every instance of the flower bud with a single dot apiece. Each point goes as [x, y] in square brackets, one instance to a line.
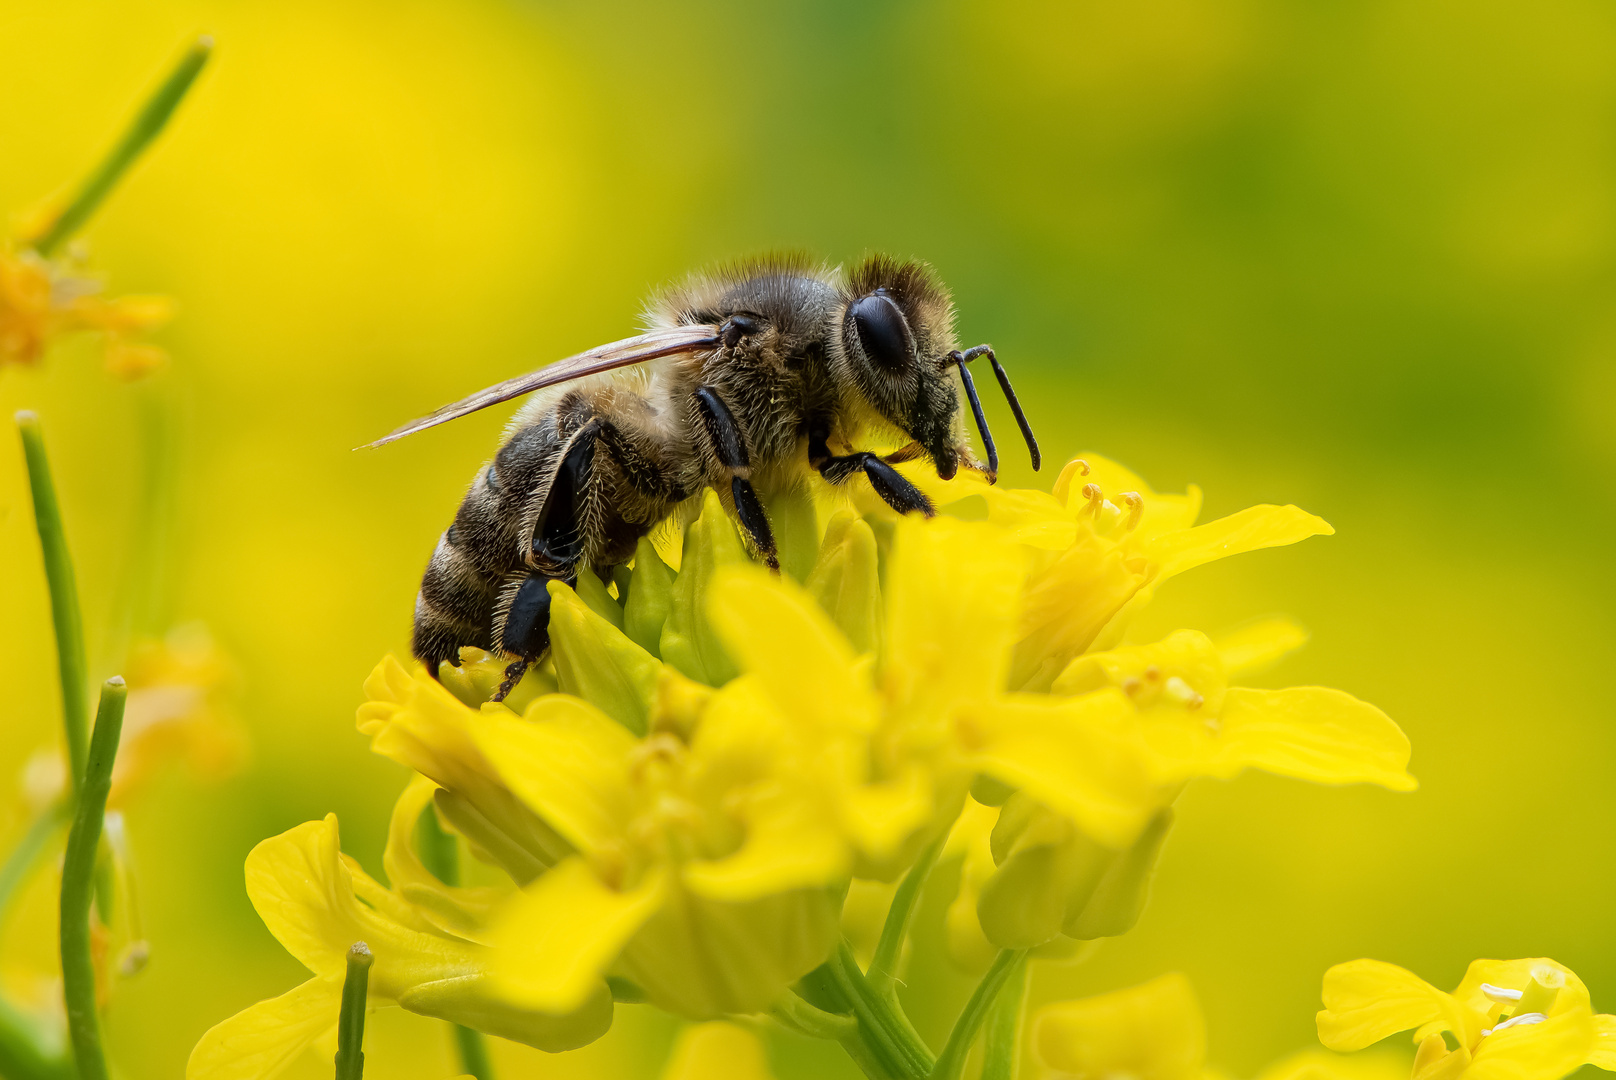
[650, 595]
[596, 661]
[689, 641]
[846, 582]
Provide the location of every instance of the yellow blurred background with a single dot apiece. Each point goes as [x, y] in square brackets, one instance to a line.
[1361, 257]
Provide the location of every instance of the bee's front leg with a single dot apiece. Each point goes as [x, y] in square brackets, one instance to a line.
[893, 487]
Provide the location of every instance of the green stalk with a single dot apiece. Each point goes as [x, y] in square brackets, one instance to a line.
[800, 1015]
[440, 854]
[78, 885]
[146, 126]
[883, 975]
[351, 1021]
[885, 1026]
[952, 1060]
[21, 861]
[1001, 1055]
[64, 596]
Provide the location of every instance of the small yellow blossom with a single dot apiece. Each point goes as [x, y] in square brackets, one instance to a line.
[317, 903]
[699, 875]
[42, 300]
[709, 1051]
[1153, 1031]
[1525, 1019]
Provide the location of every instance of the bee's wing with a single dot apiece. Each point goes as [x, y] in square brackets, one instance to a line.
[634, 350]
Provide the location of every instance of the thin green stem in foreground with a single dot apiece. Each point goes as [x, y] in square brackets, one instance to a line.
[21, 861]
[146, 126]
[1003, 1041]
[952, 1060]
[440, 854]
[351, 1022]
[883, 974]
[64, 597]
[78, 885]
[883, 1025]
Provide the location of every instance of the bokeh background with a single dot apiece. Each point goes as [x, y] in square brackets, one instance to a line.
[1361, 257]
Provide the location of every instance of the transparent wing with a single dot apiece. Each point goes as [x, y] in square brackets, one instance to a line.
[634, 350]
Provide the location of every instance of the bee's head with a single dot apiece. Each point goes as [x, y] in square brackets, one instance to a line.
[896, 334]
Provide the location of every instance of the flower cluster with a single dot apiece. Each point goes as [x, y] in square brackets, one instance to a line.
[679, 798]
[44, 299]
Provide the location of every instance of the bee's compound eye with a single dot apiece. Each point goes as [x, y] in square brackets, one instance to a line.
[882, 331]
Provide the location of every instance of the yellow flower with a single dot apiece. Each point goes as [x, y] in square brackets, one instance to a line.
[701, 875]
[728, 748]
[1098, 765]
[1518, 1019]
[1153, 1031]
[707, 1051]
[41, 300]
[317, 903]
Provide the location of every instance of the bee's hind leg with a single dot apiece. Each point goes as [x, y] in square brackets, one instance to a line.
[557, 546]
[526, 628]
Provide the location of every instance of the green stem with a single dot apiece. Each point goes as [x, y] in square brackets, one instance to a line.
[78, 885]
[1001, 1054]
[351, 1021]
[440, 854]
[145, 127]
[21, 861]
[64, 597]
[802, 1016]
[952, 1060]
[883, 976]
[884, 1025]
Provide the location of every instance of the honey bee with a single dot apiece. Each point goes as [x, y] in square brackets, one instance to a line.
[748, 377]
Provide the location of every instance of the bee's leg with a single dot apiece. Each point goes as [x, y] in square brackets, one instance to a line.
[557, 545]
[638, 463]
[526, 632]
[725, 438]
[888, 482]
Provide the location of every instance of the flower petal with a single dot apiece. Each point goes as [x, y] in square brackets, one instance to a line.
[596, 661]
[780, 637]
[1250, 529]
[262, 1040]
[1547, 1051]
[704, 1051]
[784, 850]
[1314, 733]
[1603, 1054]
[462, 911]
[567, 760]
[1252, 648]
[1367, 1000]
[1154, 1030]
[1081, 757]
[555, 940]
[949, 646]
[689, 641]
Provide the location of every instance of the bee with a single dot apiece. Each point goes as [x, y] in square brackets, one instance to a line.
[747, 378]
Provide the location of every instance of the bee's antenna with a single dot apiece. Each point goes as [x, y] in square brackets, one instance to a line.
[976, 410]
[1010, 395]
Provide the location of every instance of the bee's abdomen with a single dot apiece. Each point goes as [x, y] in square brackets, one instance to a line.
[454, 607]
[460, 588]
